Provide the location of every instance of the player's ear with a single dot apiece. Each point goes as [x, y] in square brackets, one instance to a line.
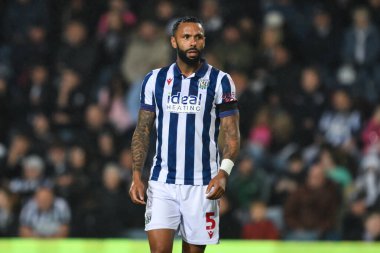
[173, 42]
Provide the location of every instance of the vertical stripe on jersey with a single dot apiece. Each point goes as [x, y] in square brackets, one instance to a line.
[159, 88]
[216, 136]
[206, 170]
[226, 85]
[190, 136]
[142, 94]
[172, 144]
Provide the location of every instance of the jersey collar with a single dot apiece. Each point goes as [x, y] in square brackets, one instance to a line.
[200, 72]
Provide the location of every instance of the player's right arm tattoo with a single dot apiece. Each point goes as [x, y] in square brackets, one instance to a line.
[140, 139]
[230, 137]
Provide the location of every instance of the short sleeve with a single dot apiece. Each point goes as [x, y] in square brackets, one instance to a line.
[226, 97]
[147, 101]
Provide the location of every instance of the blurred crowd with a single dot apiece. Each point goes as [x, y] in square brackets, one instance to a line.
[307, 77]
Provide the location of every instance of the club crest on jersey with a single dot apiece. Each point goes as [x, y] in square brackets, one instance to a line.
[203, 83]
[183, 104]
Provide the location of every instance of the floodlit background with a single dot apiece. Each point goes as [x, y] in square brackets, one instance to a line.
[307, 77]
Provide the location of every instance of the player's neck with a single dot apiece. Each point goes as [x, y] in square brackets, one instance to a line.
[188, 69]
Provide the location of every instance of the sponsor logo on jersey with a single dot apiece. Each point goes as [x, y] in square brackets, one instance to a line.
[184, 104]
[169, 80]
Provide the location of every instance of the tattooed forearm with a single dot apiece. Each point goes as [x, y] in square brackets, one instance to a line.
[140, 140]
[230, 137]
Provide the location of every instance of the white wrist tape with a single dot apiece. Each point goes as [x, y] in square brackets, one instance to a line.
[227, 165]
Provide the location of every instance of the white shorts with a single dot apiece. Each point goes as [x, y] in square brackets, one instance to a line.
[171, 206]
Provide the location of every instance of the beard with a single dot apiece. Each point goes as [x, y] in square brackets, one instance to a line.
[190, 61]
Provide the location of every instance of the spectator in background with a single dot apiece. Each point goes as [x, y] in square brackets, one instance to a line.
[370, 135]
[116, 8]
[248, 101]
[335, 171]
[288, 181]
[259, 228]
[76, 52]
[212, 18]
[248, 183]
[125, 162]
[19, 147]
[73, 184]
[372, 228]
[38, 96]
[32, 178]
[107, 147]
[260, 136]
[79, 10]
[249, 30]
[307, 106]
[70, 101]
[164, 16]
[270, 38]
[284, 73]
[361, 48]
[310, 213]
[7, 218]
[368, 181]
[45, 216]
[33, 96]
[374, 8]
[4, 109]
[322, 43]
[148, 49]
[56, 159]
[42, 134]
[95, 124]
[111, 49]
[353, 219]
[15, 29]
[294, 19]
[229, 226]
[282, 144]
[35, 49]
[112, 208]
[113, 101]
[340, 125]
[236, 53]
[361, 44]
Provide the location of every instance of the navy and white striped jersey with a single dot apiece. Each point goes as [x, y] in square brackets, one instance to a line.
[45, 223]
[187, 121]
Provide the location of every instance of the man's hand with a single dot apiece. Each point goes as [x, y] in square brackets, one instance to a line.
[217, 185]
[137, 191]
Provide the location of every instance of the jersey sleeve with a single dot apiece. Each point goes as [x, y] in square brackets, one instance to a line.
[147, 101]
[226, 102]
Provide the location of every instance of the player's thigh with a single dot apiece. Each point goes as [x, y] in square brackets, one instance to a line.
[162, 209]
[161, 240]
[191, 248]
[200, 222]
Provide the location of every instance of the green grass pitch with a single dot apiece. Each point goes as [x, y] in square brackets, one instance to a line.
[137, 246]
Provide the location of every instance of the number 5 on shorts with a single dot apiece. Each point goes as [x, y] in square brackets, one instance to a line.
[210, 219]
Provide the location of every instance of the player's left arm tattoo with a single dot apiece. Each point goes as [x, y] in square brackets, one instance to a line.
[140, 139]
[230, 137]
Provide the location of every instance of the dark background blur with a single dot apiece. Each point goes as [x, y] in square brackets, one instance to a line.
[307, 77]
